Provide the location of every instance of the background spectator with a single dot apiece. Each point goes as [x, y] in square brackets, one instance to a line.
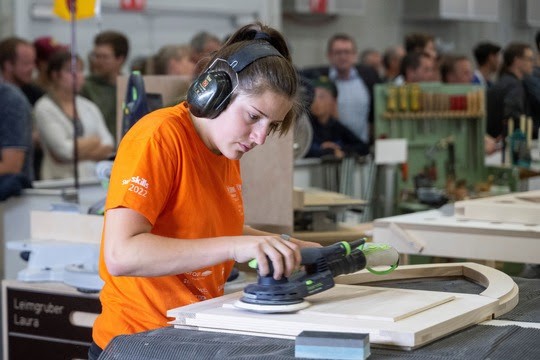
[174, 60]
[45, 46]
[330, 137]
[506, 99]
[108, 56]
[456, 69]
[16, 170]
[354, 83]
[391, 60]
[487, 56]
[58, 121]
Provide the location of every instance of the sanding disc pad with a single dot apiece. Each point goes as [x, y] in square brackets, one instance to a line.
[269, 309]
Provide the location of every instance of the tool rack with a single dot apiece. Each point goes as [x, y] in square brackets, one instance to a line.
[431, 116]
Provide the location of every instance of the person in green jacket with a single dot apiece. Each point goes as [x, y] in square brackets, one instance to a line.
[106, 60]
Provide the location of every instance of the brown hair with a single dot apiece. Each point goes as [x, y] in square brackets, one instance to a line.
[339, 36]
[271, 73]
[57, 62]
[511, 52]
[8, 49]
[116, 40]
[417, 42]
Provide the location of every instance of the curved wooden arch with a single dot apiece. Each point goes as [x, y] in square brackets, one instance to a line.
[498, 284]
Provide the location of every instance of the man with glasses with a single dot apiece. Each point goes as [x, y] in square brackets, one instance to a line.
[106, 60]
[354, 83]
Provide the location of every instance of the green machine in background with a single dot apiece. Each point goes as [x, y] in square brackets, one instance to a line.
[444, 125]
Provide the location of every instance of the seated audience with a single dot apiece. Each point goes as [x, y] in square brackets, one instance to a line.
[392, 62]
[507, 97]
[202, 45]
[487, 56]
[57, 121]
[330, 137]
[373, 58]
[456, 69]
[174, 60]
[355, 83]
[416, 67]
[107, 59]
[45, 47]
[16, 170]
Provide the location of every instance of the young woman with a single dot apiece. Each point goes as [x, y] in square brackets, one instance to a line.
[55, 117]
[174, 221]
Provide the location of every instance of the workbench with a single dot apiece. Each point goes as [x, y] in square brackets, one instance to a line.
[440, 233]
[517, 339]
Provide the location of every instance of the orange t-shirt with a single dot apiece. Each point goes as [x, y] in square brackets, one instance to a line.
[164, 171]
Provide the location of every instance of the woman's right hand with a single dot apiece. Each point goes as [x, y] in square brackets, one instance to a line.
[284, 255]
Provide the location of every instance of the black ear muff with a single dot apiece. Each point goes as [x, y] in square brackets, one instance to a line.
[210, 93]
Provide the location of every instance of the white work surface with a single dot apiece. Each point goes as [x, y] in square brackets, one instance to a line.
[436, 234]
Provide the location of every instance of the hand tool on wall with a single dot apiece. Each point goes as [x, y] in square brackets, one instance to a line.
[321, 265]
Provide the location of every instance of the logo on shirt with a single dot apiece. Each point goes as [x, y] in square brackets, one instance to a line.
[198, 274]
[235, 192]
[138, 185]
[136, 180]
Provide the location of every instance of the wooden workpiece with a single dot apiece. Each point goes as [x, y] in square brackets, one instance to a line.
[522, 208]
[344, 232]
[433, 233]
[399, 318]
[304, 199]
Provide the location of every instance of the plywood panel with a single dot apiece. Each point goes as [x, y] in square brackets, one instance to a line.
[372, 303]
[65, 226]
[409, 332]
[267, 175]
[393, 317]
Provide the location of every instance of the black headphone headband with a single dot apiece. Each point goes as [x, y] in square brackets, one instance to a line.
[250, 53]
[210, 93]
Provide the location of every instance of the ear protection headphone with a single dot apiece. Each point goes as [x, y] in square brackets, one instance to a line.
[211, 92]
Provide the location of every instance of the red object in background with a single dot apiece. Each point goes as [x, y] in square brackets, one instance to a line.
[458, 102]
[463, 102]
[404, 172]
[318, 6]
[133, 5]
[453, 102]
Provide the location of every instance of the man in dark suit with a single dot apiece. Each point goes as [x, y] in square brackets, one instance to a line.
[354, 82]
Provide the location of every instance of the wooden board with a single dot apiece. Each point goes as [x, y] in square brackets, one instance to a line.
[346, 301]
[522, 208]
[409, 332]
[390, 318]
[311, 197]
[65, 226]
